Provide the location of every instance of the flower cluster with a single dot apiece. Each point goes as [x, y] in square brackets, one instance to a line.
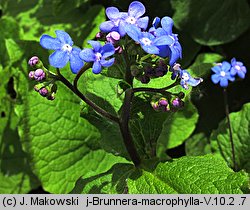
[225, 71]
[184, 75]
[149, 53]
[45, 87]
[148, 71]
[65, 52]
[166, 105]
[158, 40]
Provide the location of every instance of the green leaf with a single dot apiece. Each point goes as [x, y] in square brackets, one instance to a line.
[212, 23]
[14, 178]
[189, 175]
[62, 146]
[168, 129]
[9, 28]
[14, 51]
[36, 17]
[203, 64]
[220, 141]
[103, 89]
[111, 182]
[177, 128]
[65, 6]
[197, 145]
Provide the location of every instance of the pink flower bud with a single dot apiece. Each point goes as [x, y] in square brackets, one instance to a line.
[33, 61]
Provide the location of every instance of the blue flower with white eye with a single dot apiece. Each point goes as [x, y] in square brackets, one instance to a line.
[98, 55]
[238, 68]
[222, 74]
[148, 42]
[64, 52]
[119, 20]
[186, 80]
[174, 51]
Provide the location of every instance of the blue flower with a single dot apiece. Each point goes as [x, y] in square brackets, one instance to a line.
[222, 74]
[173, 51]
[119, 20]
[98, 55]
[238, 68]
[148, 42]
[64, 51]
[186, 80]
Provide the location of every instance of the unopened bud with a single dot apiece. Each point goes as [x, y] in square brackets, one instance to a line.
[155, 106]
[31, 74]
[37, 87]
[113, 37]
[39, 75]
[118, 50]
[163, 102]
[51, 97]
[100, 36]
[33, 61]
[177, 103]
[43, 92]
[145, 79]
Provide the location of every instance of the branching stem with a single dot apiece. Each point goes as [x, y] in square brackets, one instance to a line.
[75, 90]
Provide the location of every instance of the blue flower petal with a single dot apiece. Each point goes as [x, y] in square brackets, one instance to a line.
[97, 68]
[122, 28]
[112, 13]
[133, 31]
[160, 32]
[156, 22]
[230, 77]
[167, 24]
[59, 59]
[216, 69]
[107, 50]
[143, 22]
[136, 9]
[225, 66]
[163, 40]
[164, 51]
[107, 63]
[87, 55]
[233, 61]
[75, 61]
[233, 71]
[241, 74]
[50, 43]
[151, 49]
[107, 26]
[244, 69]
[175, 55]
[96, 45]
[64, 37]
[223, 82]
[194, 81]
[215, 78]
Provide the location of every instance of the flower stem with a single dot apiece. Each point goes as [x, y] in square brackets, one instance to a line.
[124, 128]
[230, 128]
[157, 90]
[75, 90]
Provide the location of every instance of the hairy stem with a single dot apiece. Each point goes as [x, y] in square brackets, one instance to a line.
[230, 128]
[125, 115]
[124, 128]
[75, 90]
